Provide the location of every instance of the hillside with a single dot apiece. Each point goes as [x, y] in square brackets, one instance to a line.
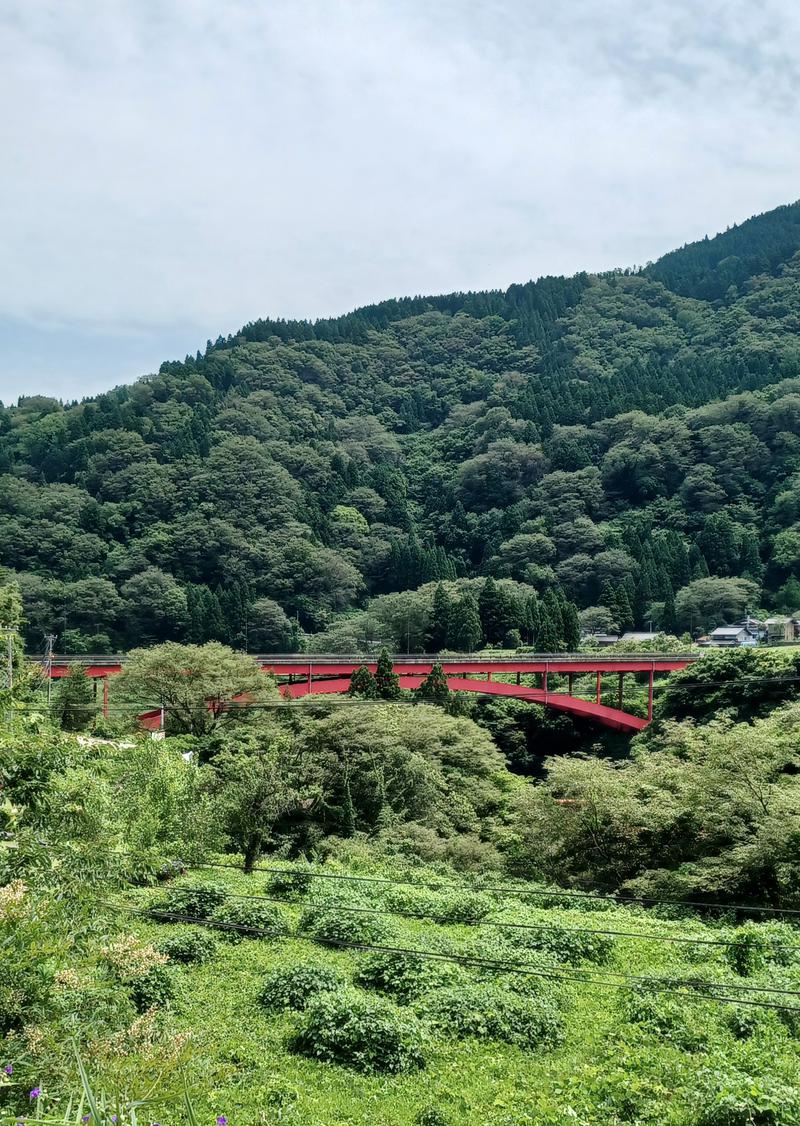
[630, 440]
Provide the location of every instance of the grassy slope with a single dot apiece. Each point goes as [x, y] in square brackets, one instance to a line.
[608, 1070]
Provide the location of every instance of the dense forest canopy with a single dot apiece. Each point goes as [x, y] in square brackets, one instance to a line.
[629, 441]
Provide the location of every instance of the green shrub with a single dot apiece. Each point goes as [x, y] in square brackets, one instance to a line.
[744, 1022]
[295, 987]
[431, 1116]
[736, 1099]
[365, 1033]
[749, 949]
[452, 907]
[491, 1012]
[291, 883]
[404, 976]
[246, 918]
[195, 899]
[188, 946]
[666, 1017]
[538, 973]
[336, 926]
[563, 944]
[550, 898]
[153, 989]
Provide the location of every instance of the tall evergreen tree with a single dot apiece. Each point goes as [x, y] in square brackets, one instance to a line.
[362, 683]
[434, 688]
[465, 625]
[439, 621]
[387, 681]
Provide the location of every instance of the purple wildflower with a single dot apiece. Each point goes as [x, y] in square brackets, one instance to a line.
[9, 1069]
[113, 1118]
[34, 1094]
[86, 1118]
[222, 1120]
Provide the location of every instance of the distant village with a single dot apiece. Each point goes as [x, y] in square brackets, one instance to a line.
[749, 631]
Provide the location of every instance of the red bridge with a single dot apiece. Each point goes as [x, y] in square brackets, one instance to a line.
[549, 679]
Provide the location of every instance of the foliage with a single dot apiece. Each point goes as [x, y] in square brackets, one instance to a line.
[295, 987]
[195, 898]
[195, 684]
[361, 1032]
[247, 918]
[491, 1012]
[706, 812]
[191, 946]
[74, 705]
[258, 777]
[617, 437]
[347, 924]
[290, 883]
[403, 976]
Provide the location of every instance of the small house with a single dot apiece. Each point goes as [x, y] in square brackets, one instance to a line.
[730, 637]
[781, 628]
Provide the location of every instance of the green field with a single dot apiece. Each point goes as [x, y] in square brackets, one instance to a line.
[663, 1050]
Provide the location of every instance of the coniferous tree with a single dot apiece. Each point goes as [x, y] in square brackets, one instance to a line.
[387, 681]
[465, 624]
[547, 637]
[439, 621]
[489, 611]
[362, 683]
[532, 616]
[434, 688]
[669, 619]
[572, 627]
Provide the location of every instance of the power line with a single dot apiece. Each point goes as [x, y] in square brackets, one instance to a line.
[504, 925]
[524, 968]
[509, 889]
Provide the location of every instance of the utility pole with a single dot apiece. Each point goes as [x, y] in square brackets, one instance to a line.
[49, 642]
[9, 657]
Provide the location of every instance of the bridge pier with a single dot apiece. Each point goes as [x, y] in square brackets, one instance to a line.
[619, 691]
[105, 697]
[570, 681]
[599, 686]
[650, 695]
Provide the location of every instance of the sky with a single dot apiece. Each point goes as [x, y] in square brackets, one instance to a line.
[172, 169]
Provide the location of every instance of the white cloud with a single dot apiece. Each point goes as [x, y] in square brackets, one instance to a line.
[195, 163]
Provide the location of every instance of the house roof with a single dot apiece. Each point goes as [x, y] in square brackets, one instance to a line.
[729, 631]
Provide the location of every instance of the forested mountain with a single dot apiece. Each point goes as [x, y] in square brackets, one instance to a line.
[629, 441]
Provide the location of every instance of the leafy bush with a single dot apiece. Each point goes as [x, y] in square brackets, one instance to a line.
[195, 899]
[736, 1099]
[453, 907]
[749, 949]
[550, 898]
[295, 987]
[152, 989]
[744, 1022]
[290, 883]
[431, 1116]
[491, 1012]
[404, 976]
[537, 974]
[336, 926]
[365, 1033]
[246, 916]
[188, 946]
[666, 1017]
[562, 944]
